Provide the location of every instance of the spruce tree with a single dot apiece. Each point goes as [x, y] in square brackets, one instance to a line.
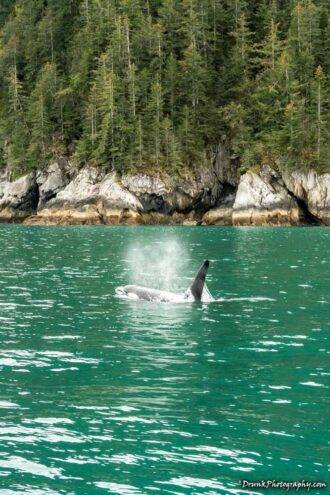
[131, 85]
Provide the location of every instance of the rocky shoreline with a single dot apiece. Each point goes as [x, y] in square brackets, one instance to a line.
[61, 195]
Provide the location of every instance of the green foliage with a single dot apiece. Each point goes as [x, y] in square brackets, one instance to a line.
[135, 85]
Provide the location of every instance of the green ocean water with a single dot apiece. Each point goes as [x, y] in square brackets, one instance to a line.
[105, 395]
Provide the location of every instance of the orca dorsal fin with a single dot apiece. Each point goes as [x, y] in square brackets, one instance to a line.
[197, 286]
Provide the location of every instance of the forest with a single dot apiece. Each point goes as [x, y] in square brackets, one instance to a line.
[152, 85]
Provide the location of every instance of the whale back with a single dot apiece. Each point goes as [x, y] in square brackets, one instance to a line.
[197, 286]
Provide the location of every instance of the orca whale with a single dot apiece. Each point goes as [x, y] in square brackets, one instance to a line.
[194, 293]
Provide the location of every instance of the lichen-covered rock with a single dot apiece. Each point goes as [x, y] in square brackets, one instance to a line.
[261, 199]
[144, 184]
[91, 197]
[155, 194]
[19, 198]
[116, 196]
[202, 191]
[313, 189]
[53, 179]
[84, 188]
[205, 196]
[133, 192]
[21, 193]
[167, 194]
[92, 185]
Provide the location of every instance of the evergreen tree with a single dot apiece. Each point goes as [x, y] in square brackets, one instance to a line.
[320, 119]
[237, 115]
[15, 125]
[43, 116]
[126, 84]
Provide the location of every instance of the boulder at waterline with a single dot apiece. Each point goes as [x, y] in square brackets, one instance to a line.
[18, 198]
[313, 189]
[261, 199]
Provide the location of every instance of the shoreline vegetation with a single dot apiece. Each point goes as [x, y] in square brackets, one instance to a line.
[164, 111]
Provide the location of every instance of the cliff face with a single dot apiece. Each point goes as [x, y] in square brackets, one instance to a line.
[215, 196]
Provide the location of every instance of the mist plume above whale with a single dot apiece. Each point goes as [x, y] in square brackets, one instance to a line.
[194, 293]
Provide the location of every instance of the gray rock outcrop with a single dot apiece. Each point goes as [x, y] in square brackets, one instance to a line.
[18, 198]
[313, 189]
[116, 196]
[60, 194]
[83, 189]
[91, 197]
[53, 179]
[261, 199]
[166, 195]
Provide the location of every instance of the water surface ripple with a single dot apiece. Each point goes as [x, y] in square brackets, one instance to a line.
[104, 395]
